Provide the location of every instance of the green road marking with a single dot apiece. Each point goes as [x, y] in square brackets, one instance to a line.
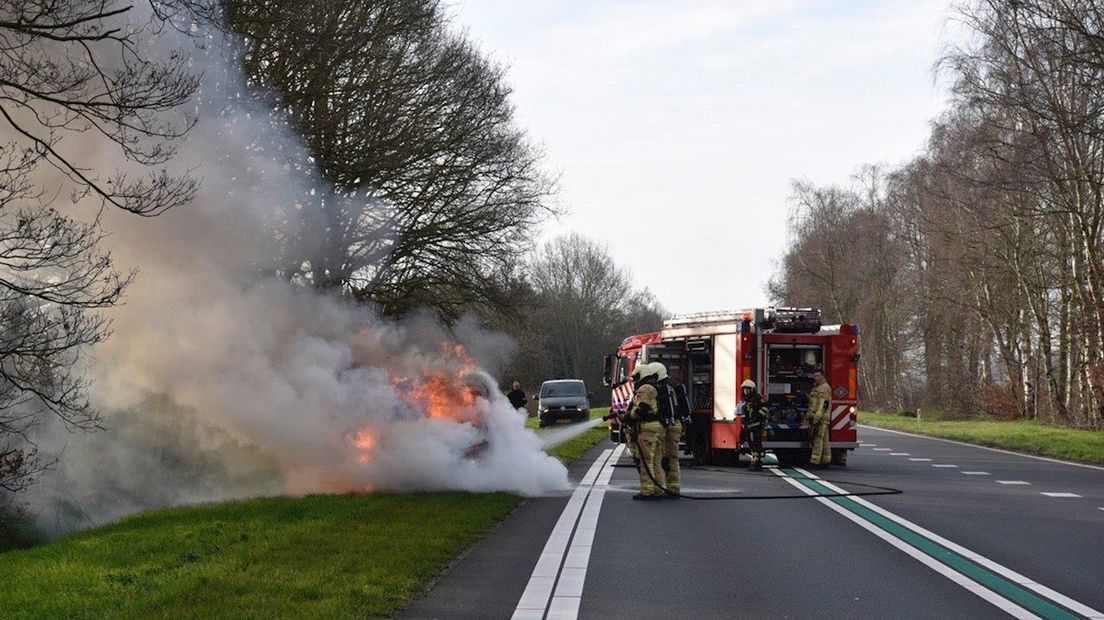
[978, 573]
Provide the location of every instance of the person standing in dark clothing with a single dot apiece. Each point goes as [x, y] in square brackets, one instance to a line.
[516, 396]
[754, 416]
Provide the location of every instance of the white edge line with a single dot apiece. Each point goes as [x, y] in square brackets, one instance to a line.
[974, 445]
[1038, 588]
[955, 576]
[566, 603]
[539, 586]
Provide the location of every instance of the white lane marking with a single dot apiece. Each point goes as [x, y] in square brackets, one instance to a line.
[944, 465]
[882, 449]
[970, 445]
[1001, 570]
[569, 587]
[534, 599]
[898, 453]
[1061, 494]
[976, 473]
[1101, 508]
[867, 445]
[955, 576]
[920, 460]
[1012, 482]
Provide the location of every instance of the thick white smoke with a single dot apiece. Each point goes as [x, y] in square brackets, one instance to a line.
[220, 382]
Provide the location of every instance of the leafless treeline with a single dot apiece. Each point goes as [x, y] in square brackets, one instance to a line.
[977, 270]
[576, 303]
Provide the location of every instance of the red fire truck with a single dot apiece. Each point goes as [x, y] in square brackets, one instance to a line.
[712, 353]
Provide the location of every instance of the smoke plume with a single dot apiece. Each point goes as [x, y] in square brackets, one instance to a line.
[223, 382]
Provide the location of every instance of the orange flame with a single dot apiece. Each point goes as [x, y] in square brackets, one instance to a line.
[444, 394]
[365, 441]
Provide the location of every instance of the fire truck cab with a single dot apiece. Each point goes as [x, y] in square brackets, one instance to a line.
[712, 353]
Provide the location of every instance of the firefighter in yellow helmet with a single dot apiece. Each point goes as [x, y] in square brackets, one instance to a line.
[820, 421]
[669, 396]
[642, 417]
[754, 421]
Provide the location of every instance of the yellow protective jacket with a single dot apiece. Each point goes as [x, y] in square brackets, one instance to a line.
[820, 404]
[644, 405]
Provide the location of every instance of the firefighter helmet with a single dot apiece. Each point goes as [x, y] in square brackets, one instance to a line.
[747, 384]
[660, 370]
[644, 373]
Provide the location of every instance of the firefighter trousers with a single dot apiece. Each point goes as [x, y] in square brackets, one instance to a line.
[651, 453]
[822, 447]
[755, 443]
[671, 457]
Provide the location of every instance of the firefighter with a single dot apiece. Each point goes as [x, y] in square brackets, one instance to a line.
[819, 417]
[642, 417]
[754, 420]
[670, 396]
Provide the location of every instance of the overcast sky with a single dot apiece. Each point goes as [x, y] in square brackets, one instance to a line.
[677, 126]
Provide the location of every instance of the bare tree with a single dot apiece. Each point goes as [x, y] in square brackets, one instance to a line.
[69, 69]
[435, 188]
[583, 304]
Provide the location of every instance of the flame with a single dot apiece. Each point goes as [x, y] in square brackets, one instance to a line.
[443, 392]
[365, 441]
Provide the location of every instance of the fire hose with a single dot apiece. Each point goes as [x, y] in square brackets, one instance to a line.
[875, 489]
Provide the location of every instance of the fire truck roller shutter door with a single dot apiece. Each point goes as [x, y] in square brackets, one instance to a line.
[724, 377]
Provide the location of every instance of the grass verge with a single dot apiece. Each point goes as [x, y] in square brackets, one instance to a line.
[338, 556]
[575, 447]
[314, 557]
[1021, 435]
[532, 422]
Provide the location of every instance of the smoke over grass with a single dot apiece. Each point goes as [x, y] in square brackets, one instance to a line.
[223, 380]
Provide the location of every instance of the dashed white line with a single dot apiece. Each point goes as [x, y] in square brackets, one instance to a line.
[944, 465]
[898, 453]
[976, 473]
[882, 449]
[1012, 482]
[1060, 494]
[1005, 572]
[1004, 604]
[919, 460]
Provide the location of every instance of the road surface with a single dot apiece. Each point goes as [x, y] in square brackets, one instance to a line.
[974, 533]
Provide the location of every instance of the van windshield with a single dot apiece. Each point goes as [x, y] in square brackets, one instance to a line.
[561, 389]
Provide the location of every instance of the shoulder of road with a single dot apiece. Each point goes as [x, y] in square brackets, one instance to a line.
[1025, 437]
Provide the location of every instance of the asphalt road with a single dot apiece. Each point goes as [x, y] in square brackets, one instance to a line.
[974, 533]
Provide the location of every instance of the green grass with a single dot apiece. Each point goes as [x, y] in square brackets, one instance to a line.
[1021, 435]
[532, 421]
[575, 447]
[337, 556]
[315, 557]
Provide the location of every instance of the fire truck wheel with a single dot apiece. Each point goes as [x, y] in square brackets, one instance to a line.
[839, 457]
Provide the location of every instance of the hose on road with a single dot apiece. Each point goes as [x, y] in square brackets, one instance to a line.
[875, 489]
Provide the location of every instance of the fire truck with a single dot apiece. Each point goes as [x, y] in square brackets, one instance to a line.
[712, 353]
